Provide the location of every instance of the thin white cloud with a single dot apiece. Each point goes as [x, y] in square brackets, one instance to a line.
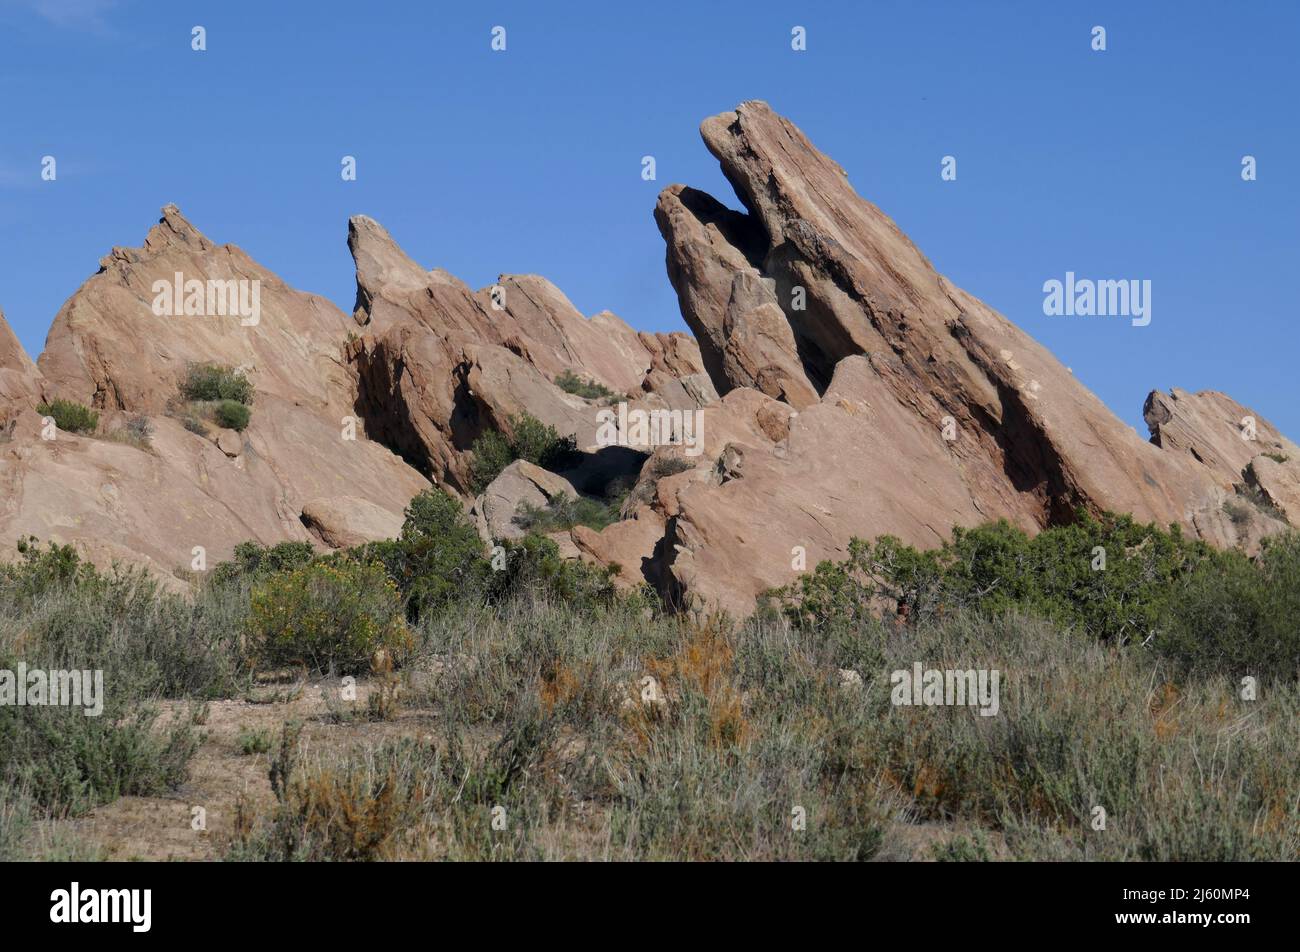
[69, 14]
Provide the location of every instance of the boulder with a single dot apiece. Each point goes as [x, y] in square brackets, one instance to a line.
[1214, 430]
[1278, 480]
[341, 522]
[521, 483]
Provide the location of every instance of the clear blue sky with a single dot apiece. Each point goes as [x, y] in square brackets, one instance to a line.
[1113, 165]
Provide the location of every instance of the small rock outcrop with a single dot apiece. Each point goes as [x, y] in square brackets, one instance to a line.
[518, 485]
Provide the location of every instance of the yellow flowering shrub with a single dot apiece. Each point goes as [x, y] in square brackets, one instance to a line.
[329, 616]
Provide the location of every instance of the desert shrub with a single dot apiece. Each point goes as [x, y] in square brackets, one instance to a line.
[59, 612]
[539, 443]
[532, 568]
[15, 823]
[492, 454]
[529, 439]
[70, 416]
[41, 569]
[539, 714]
[253, 741]
[563, 512]
[963, 849]
[1110, 577]
[670, 466]
[253, 561]
[584, 770]
[1239, 512]
[339, 808]
[68, 763]
[214, 382]
[437, 559]
[140, 427]
[327, 616]
[1080, 724]
[195, 425]
[138, 431]
[570, 382]
[1238, 616]
[232, 414]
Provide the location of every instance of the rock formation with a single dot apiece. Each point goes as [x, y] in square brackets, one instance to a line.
[845, 389]
[185, 495]
[918, 407]
[440, 364]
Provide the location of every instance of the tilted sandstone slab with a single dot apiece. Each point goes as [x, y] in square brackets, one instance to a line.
[930, 410]
[344, 521]
[745, 339]
[1278, 480]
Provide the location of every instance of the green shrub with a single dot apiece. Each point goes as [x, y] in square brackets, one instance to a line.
[253, 741]
[529, 439]
[1238, 616]
[1110, 577]
[532, 568]
[70, 416]
[437, 559]
[570, 382]
[216, 382]
[1208, 611]
[15, 823]
[563, 512]
[69, 763]
[328, 616]
[232, 414]
[40, 570]
[254, 561]
[59, 612]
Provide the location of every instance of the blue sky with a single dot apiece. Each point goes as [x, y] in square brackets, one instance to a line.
[1122, 164]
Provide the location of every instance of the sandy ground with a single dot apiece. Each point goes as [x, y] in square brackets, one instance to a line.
[161, 828]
